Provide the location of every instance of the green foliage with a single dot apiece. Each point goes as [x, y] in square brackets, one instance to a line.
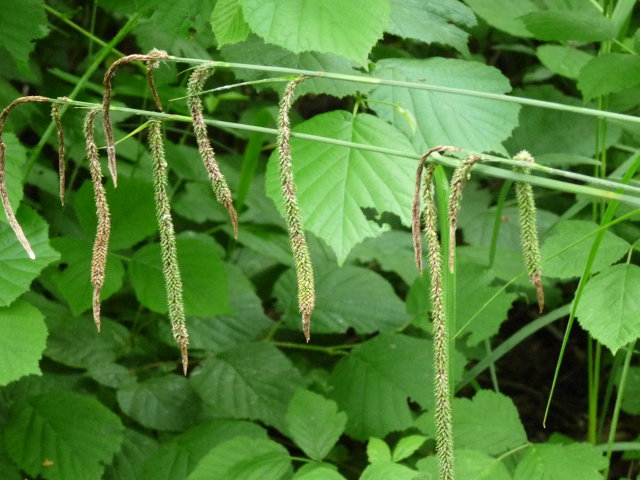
[383, 81]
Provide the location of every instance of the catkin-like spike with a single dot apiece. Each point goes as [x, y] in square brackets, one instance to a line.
[218, 182]
[103, 230]
[55, 115]
[415, 208]
[299, 247]
[152, 56]
[170, 267]
[443, 416]
[458, 181]
[4, 195]
[529, 228]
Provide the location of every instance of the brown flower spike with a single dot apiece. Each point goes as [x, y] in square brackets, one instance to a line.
[458, 181]
[103, 230]
[4, 196]
[299, 247]
[218, 182]
[153, 56]
[170, 267]
[55, 115]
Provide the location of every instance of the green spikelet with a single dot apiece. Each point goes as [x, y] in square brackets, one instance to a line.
[443, 417]
[529, 228]
[101, 242]
[170, 268]
[458, 181]
[299, 247]
[218, 182]
[4, 195]
[55, 115]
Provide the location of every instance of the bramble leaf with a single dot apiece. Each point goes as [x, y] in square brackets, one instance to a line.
[595, 78]
[569, 25]
[69, 436]
[563, 60]
[609, 306]
[469, 465]
[344, 30]
[228, 22]
[561, 462]
[23, 336]
[19, 27]
[473, 123]
[504, 14]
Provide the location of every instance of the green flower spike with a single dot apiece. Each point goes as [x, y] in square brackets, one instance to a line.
[170, 267]
[103, 231]
[299, 247]
[529, 228]
[443, 417]
[218, 182]
[458, 181]
[4, 196]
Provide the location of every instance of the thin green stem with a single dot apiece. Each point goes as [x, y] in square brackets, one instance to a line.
[451, 162]
[414, 85]
[618, 406]
[497, 221]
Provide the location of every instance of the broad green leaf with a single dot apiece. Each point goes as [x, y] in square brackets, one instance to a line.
[112, 375]
[18, 270]
[386, 471]
[561, 462]
[255, 51]
[314, 423]
[569, 25]
[335, 183]
[253, 381]
[504, 14]
[131, 205]
[247, 324]
[373, 383]
[203, 277]
[378, 451]
[162, 403]
[177, 17]
[129, 462]
[244, 458]
[609, 306]
[596, 77]
[23, 335]
[69, 436]
[432, 22]
[330, 26]
[19, 27]
[570, 263]
[15, 162]
[268, 240]
[377, 250]
[318, 471]
[228, 22]
[74, 341]
[473, 123]
[177, 458]
[469, 465]
[489, 423]
[548, 131]
[562, 60]
[347, 297]
[198, 204]
[631, 398]
[73, 280]
[407, 446]
[10, 471]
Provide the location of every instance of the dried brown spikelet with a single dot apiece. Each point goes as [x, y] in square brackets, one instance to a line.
[299, 247]
[529, 228]
[151, 65]
[170, 267]
[415, 208]
[103, 230]
[458, 181]
[55, 115]
[218, 182]
[152, 56]
[4, 195]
